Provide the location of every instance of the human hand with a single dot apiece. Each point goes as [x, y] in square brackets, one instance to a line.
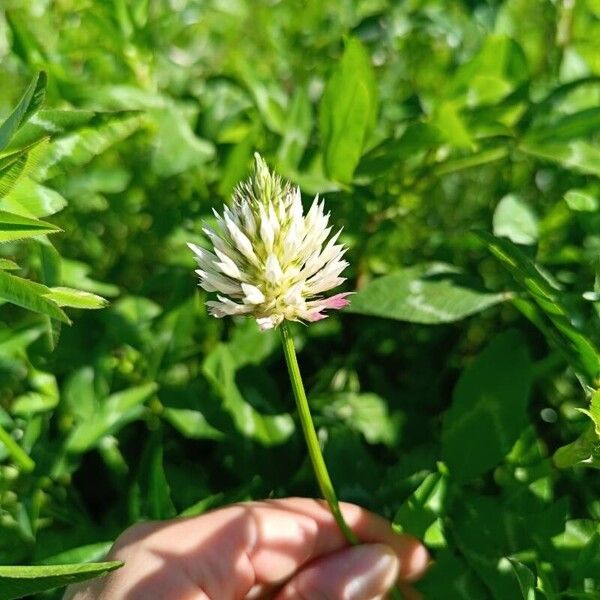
[277, 549]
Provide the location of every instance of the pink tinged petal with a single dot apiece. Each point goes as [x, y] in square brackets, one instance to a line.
[252, 295]
[336, 302]
[314, 316]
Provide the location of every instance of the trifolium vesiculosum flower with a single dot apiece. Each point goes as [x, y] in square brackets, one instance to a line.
[269, 260]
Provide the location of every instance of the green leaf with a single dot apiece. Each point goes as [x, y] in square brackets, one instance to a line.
[581, 201]
[64, 296]
[430, 293]
[177, 148]
[17, 582]
[29, 295]
[577, 155]
[585, 450]
[489, 405]
[82, 145]
[8, 265]
[191, 424]
[30, 102]
[514, 219]
[525, 578]
[348, 111]
[16, 227]
[420, 513]
[32, 403]
[566, 127]
[114, 413]
[472, 160]
[151, 494]
[32, 199]
[366, 413]
[297, 130]
[577, 349]
[268, 429]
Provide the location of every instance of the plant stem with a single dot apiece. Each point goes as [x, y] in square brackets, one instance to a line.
[312, 442]
[310, 435]
[16, 452]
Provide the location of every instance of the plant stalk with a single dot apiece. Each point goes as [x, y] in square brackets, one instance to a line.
[312, 442]
[310, 435]
[16, 452]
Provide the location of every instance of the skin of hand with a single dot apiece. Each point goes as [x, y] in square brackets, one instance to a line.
[273, 549]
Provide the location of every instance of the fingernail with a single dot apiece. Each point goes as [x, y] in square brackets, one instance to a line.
[376, 569]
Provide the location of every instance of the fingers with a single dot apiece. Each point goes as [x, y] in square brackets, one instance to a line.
[237, 550]
[363, 572]
[368, 526]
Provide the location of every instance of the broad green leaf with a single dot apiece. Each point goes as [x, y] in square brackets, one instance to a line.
[514, 219]
[32, 199]
[429, 294]
[489, 408]
[17, 582]
[81, 146]
[420, 513]
[113, 413]
[29, 295]
[16, 227]
[366, 413]
[448, 119]
[191, 424]
[30, 102]
[59, 123]
[566, 127]
[297, 130]
[267, 429]
[64, 296]
[348, 111]
[493, 73]
[577, 349]
[525, 578]
[577, 155]
[177, 148]
[585, 450]
[581, 201]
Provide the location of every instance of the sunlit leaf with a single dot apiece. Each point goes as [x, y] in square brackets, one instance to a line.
[348, 110]
[422, 294]
[17, 582]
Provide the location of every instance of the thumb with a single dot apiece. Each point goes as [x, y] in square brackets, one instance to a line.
[362, 572]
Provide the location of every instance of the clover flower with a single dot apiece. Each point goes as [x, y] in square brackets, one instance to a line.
[269, 260]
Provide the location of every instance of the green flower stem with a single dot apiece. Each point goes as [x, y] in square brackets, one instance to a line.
[16, 452]
[310, 435]
[312, 442]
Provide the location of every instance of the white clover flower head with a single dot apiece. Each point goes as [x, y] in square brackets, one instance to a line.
[269, 260]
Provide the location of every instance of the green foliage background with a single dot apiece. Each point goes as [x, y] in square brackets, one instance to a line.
[457, 396]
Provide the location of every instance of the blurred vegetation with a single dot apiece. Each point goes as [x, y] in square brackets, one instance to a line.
[457, 396]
